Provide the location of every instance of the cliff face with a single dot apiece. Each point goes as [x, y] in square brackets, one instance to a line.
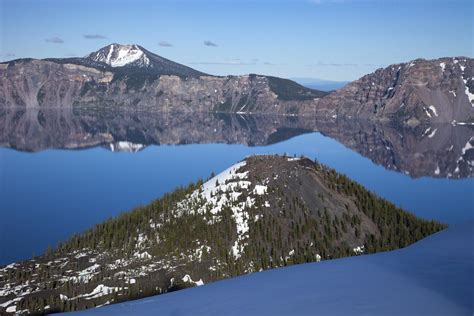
[128, 76]
[41, 83]
[427, 91]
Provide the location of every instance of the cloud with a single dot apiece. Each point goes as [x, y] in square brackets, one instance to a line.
[209, 43]
[267, 63]
[94, 36]
[55, 40]
[165, 44]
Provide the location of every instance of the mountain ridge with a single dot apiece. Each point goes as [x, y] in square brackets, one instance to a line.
[128, 76]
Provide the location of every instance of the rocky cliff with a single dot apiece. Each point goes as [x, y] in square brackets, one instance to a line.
[421, 91]
[132, 77]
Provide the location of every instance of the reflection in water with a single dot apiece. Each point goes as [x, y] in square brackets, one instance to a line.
[444, 151]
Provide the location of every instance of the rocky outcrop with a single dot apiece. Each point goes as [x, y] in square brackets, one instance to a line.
[426, 91]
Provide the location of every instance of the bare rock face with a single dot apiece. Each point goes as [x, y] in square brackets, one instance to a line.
[129, 76]
[422, 91]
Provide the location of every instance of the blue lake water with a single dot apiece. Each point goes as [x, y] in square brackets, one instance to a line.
[50, 195]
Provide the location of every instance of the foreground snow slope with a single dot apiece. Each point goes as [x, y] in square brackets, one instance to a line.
[431, 277]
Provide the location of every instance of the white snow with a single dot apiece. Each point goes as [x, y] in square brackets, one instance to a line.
[98, 291]
[124, 146]
[427, 112]
[187, 279]
[126, 54]
[86, 275]
[122, 55]
[467, 146]
[443, 66]
[470, 95]
[431, 277]
[359, 250]
[293, 159]
[433, 133]
[433, 109]
[210, 186]
[260, 189]
[437, 171]
[223, 190]
[11, 309]
[142, 255]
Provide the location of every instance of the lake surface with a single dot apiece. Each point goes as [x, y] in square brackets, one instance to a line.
[48, 194]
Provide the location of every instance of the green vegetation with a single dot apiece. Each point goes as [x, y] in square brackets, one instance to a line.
[289, 90]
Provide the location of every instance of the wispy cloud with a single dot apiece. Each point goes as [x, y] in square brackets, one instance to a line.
[94, 36]
[55, 40]
[165, 44]
[209, 43]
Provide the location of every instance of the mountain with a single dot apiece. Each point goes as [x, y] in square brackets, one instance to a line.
[261, 213]
[421, 91]
[129, 76]
[426, 278]
[136, 57]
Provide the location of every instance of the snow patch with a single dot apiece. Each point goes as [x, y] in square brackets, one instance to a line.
[260, 189]
[433, 109]
[359, 250]
[433, 133]
[443, 66]
[187, 279]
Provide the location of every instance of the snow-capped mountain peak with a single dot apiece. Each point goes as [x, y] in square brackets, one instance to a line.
[117, 55]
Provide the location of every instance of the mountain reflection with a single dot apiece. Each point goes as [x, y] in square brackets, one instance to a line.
[444, 151]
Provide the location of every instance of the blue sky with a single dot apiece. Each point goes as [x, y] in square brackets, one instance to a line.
[329, 39]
